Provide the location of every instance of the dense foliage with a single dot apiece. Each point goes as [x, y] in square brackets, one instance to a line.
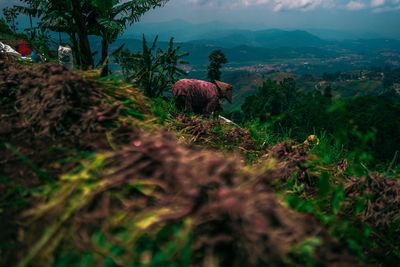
[391, 77]
[81, 18]
[299, 114]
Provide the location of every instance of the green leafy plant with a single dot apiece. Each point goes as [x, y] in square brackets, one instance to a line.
[153, 70]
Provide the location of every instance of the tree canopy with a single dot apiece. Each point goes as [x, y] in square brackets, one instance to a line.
[81, 18]
[216, 58]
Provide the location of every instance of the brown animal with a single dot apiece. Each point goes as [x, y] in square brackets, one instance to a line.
[200, 97]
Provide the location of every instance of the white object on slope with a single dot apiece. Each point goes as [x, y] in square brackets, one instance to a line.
[9, 50]
[223, 119]
[65, 57]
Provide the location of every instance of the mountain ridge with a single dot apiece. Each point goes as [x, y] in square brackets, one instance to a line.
[186, 31]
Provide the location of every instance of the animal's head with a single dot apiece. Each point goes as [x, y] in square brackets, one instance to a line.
[226, 90]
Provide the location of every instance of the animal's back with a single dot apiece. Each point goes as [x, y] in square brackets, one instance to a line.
[194, 87]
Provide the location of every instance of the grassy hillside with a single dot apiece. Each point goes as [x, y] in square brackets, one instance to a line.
[95, 174]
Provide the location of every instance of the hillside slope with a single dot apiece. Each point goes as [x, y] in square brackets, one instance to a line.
[95, 174]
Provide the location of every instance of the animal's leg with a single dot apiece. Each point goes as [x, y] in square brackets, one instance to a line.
[180, 102]
[188, 104]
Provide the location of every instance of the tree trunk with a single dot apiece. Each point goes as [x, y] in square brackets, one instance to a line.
[34, 30]
[84, 50]
[104, 55]
[85, 53]
[75, 49]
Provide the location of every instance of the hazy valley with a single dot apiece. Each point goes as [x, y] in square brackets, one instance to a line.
[264, 50]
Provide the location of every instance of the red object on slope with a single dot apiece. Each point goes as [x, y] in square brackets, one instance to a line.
[23, 48]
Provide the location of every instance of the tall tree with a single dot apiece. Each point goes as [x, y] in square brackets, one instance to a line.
[73, 17]
[113, 16]
[216, 58]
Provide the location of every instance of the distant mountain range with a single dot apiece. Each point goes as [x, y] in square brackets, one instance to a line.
[225, 35]
[184, 31]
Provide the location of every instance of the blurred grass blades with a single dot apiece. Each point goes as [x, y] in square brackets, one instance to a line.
[68, 150]
[391, 164]
[43, 175]
[132, 112]
[16, 188]
[80, 155]
[13, 195]
[91, 169]
[70, 196]
[152, 218]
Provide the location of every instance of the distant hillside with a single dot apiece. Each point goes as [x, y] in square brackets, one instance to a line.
[237, 55]
[272, 38]
[224, 35]
[340, 35]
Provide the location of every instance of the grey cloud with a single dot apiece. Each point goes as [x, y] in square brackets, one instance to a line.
[304, 5]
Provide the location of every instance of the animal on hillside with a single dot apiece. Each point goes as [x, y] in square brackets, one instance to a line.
[200, 97]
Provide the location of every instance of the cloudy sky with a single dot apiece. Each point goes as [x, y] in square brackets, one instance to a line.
[377, 16]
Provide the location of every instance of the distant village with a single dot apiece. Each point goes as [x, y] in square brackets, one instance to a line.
[357, 66]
